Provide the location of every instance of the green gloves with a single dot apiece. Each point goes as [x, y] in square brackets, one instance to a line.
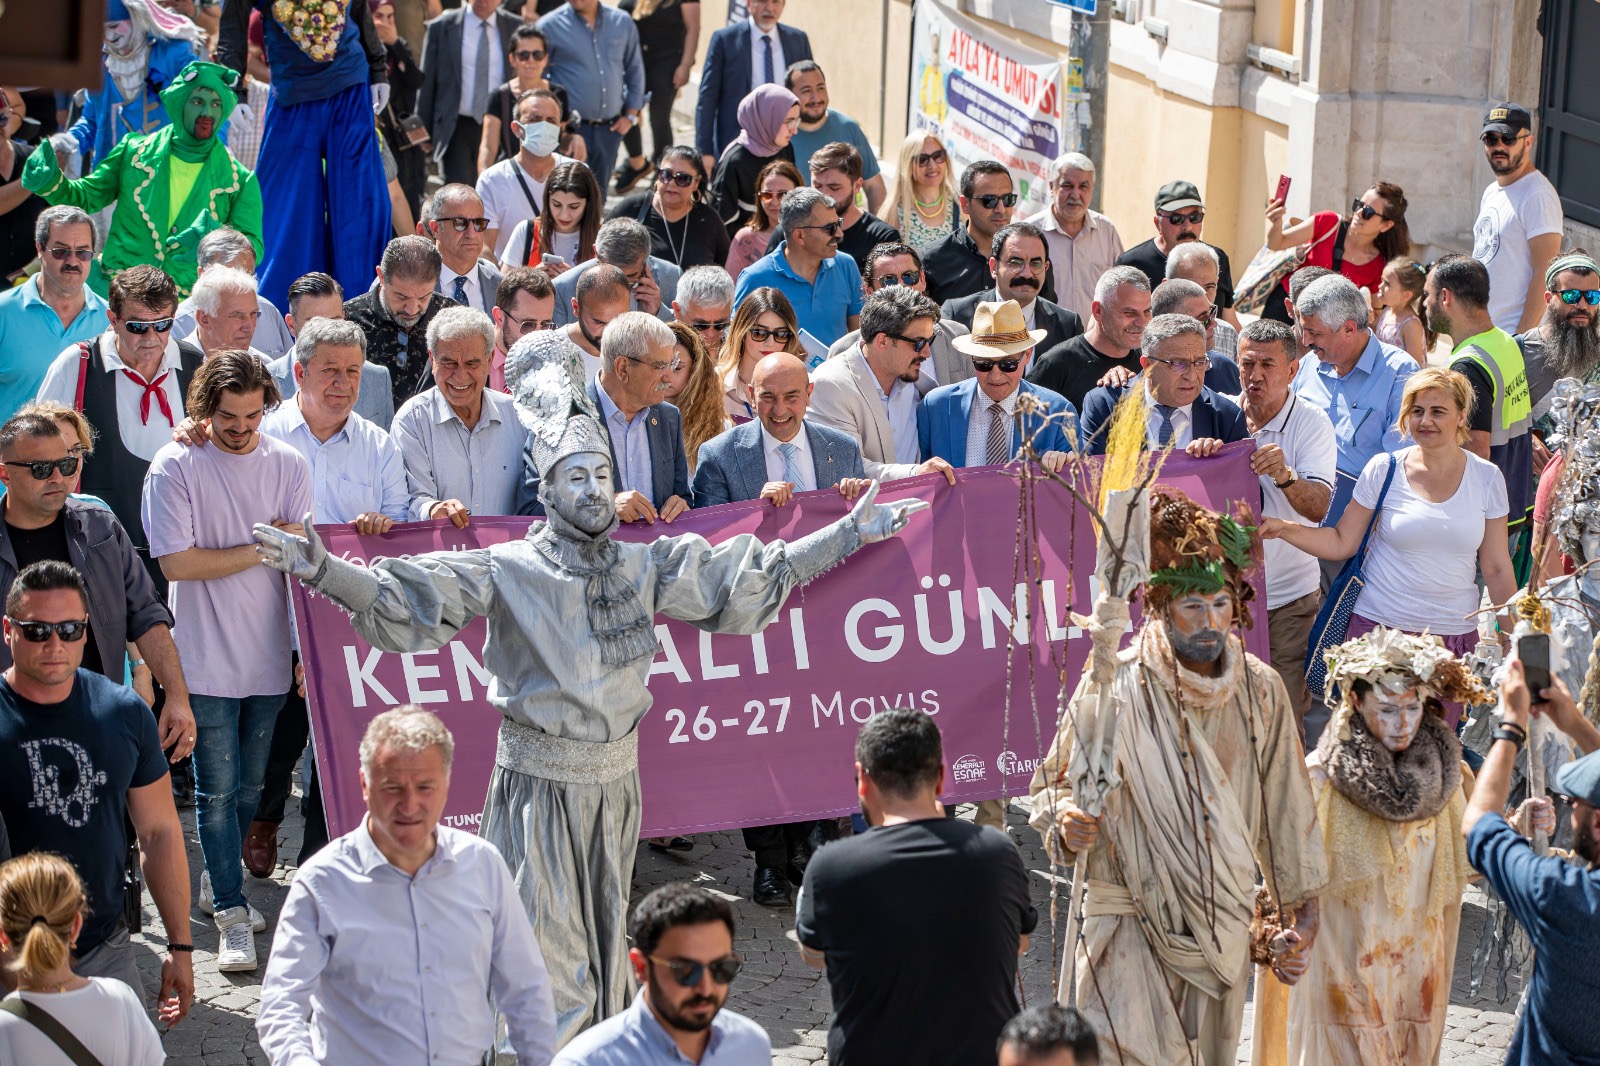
[41, 173]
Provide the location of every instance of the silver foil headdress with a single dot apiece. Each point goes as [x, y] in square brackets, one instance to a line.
[544, 372]
[1576, 410]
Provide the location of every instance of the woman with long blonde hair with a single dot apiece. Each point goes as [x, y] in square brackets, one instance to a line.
[695, 393]
[764, 323]
[922, 202]
[42, 906]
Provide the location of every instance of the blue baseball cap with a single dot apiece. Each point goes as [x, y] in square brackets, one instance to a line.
[1580, 779]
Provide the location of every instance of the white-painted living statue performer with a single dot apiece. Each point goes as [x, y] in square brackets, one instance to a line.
[571, 636]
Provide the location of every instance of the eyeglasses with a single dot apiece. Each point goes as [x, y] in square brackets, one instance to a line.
[993, 200]
[1496, 140]
[688, 973]
[1008, 366]
[139, 329]
[771, 195]
[1206, 317]
[681, 178]
[527, 57]
[1016, 262]
[39, 632]
[1366, 211]
[833, 229]
[910, 277]
[1194, 218]
[1572, 296]
[917, 343]
[1196, 366]
[922, 159]
[710, 327]
[782, 334]
[461, 223]
[660, 368]
[531, 325]
[41, 468]
[61, 254]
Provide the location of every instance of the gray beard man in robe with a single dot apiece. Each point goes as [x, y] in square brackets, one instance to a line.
[571, 636]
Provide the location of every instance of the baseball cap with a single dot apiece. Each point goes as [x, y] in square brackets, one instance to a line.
[1176, 195]
[1580, 779]
[1506, 118]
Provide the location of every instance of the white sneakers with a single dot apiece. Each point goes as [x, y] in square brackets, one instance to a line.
[258, 923]
[236, 947]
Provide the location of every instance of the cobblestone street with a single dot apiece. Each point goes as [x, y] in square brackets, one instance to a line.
[775, 987]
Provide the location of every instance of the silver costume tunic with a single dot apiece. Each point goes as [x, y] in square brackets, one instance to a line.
[563, 805]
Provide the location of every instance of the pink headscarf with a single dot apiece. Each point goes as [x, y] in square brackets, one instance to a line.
[761, 115]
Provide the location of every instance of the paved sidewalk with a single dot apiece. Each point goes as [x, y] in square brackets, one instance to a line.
[775, 987]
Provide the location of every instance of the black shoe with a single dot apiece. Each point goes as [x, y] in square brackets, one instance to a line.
[799, 856]
[183, 783]
[771, 889]
[627, 176]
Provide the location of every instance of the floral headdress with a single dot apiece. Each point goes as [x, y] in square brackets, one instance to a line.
[1193, 550]
[1395, 661]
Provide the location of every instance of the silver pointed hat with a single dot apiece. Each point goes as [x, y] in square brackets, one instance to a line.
[544, 373]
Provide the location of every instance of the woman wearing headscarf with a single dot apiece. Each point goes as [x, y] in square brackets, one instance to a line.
[768, 119]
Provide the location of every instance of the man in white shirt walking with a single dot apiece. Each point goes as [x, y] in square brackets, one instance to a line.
[512, 190]
[1518, 231]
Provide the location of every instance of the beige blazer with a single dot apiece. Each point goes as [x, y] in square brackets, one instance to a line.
[845, 397]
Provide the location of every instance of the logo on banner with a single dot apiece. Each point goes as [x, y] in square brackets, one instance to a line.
[968, 768]
[1010, 765]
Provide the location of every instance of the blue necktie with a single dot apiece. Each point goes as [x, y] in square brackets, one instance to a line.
[1164, 431]
[791, 468]
[768, 76]
[460, 295]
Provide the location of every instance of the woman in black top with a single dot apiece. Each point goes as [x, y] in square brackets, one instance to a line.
[669, 33]
[768, 119]
[683, 230]
[528, 58]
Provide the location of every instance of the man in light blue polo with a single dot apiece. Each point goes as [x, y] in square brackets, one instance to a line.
[51, 310]
[823, 286]
[1356, 379]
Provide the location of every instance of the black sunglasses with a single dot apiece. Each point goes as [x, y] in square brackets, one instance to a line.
[711, 327]
[1495, 140]
[922, 159]
[910, 277]
[63, 254]
[834, 229]
[39, 632]
[917, 343]
[761, 333]
[993, 200]
[1007, 366]
[688, 973]
[681, 178]
[1572, 296]
[461, 223]
[139, 329]
[525, 57]
[41, 468]
[1194, 218]
[1366, 211]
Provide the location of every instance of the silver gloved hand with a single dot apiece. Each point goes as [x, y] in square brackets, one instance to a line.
[875, 522]
[300, 557]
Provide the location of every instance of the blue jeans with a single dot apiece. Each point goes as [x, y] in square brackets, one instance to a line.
[602, 144]
[230, 761]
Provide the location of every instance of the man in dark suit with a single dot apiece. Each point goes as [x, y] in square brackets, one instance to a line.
[773, 458]
[1019, 264]
[649, 468]
[740, 57]
[1182, 412]
[453, 219]
[463, 62]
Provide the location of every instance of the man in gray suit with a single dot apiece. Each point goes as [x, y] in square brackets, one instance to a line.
[317, 295]
[463, 62]
[625, 244]
[650, 470]
[454, 221]
[772, 458]
[889, 265]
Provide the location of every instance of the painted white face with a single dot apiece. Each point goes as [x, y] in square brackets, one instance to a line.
[578, 489]
[1589, 543]
[1392, 717]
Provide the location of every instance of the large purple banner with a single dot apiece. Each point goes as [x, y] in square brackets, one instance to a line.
[964, 615]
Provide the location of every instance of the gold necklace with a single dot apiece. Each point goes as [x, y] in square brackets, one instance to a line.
[47, 988]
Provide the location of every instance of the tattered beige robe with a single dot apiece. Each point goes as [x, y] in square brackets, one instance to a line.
[1163, 965]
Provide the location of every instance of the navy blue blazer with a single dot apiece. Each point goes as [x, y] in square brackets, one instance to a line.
[1214, 416]
[733, 466]
[669, 465]
[725, 80]
[945, 414]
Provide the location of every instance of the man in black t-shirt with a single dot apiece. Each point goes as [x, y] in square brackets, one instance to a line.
[919, 920]
[1180, 216]
[78, 753]
[1118, 315]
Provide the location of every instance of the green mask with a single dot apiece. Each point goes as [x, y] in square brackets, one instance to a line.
[199, 93]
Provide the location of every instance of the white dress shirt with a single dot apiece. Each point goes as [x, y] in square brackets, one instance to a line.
[356, 471]
[370, 965]
[1182, 425]
[472, 289]
[471, 28]
[142, 438]
[1079, 261]
[758, 56]
[805, 465]
[901, 407]
[978, 425]
[445, 460]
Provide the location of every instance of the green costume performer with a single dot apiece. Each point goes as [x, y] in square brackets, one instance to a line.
[171, 187]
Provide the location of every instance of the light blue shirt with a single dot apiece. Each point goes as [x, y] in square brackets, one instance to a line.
[31, 336]
[635, 1038]
[371, 965]
[631, 442]
[821, 307]
[1364, 407]
[356, 471]
[445, 460]
[602, 69]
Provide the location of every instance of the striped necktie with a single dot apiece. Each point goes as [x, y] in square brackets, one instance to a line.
[791, 467]
[997, 446]
[1164, 430]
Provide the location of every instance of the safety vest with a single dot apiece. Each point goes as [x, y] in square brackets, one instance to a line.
[1513, 409]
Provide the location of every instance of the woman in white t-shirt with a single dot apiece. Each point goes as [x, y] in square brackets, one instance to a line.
[42, 904]
[1443, 520]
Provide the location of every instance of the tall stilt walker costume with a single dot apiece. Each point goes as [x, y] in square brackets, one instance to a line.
[571, 636]
[319, 163]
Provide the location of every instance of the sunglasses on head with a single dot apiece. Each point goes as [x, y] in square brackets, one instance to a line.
[1007, 366]
[41, 468]
[681, 178]
[688, 973]
[1366, 211]
[139, 329]
[525, 57]
[63, 254]
[993, 200]
[918, 344]
[1572, 296]
[783, 335]
[39, 632]
[1194, 217]
[1496, 140]
[922, 159]
[710, 327]
[461, 223]
[910, 277]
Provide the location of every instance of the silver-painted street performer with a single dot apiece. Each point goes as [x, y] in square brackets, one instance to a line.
[571, 636]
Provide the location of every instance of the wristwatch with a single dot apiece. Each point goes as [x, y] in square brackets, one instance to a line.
[1290, 480]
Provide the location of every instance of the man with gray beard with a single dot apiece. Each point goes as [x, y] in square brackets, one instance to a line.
[1566, 342]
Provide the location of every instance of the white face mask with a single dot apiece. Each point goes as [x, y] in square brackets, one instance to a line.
[541, 138]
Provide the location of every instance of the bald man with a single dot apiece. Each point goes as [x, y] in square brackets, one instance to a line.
[772, 458]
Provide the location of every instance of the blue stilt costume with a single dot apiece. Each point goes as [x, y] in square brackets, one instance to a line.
[320, 171]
